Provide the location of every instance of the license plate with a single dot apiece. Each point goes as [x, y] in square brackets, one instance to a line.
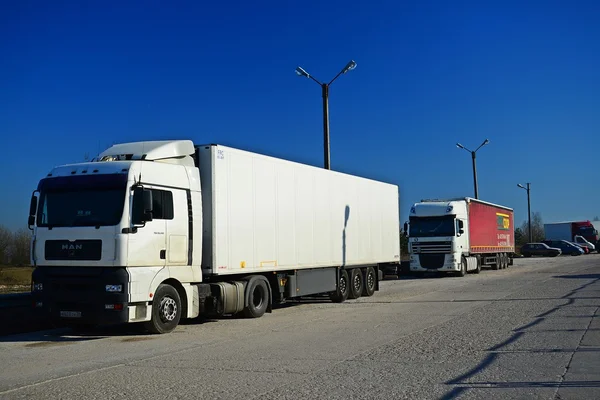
[70, 314]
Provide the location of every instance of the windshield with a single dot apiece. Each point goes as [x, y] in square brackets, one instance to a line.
[587, 231]
[81, 201]
[432, 226]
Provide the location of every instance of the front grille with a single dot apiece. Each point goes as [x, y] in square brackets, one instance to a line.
[432, 261]
[79, 250]
[431, 247]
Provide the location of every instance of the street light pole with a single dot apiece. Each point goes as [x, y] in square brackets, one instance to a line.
[326, 153]
[528, 188]
[473, 156]
[325, 93]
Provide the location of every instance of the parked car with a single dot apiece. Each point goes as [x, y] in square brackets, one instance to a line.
[586, 250]
[567, 248]
[539, 249]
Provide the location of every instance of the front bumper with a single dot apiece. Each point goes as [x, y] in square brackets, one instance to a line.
[434, 262]
[77, 295]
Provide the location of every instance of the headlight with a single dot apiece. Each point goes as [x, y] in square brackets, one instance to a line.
[114, 288]
[38, 287]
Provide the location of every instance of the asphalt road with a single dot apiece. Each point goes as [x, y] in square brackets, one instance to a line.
[531, 331]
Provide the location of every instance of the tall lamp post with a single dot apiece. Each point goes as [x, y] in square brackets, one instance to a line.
[528, 188]
[325, 92]
[460, 146]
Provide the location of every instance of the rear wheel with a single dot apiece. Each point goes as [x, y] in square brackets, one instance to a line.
[356, 284]
[498, 263]
[257, 297]
[478, 269]
[370, 282]
[343, 288]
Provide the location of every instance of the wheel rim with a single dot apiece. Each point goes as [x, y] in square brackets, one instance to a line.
[343, 284]
[370, 280]
[168, 309]
[357, 283]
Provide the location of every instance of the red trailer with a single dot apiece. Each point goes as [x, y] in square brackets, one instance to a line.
[460, 235]
[491, 229]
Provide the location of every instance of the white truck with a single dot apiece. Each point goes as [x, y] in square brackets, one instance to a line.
[157, 231]
[459, 235]
[570, 231]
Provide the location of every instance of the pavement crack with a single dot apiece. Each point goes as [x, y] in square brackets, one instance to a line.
[564, 374]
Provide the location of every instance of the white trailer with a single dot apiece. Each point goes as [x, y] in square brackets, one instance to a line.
[158, 231]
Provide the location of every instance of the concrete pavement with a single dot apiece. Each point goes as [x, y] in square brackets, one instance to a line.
[531, 331]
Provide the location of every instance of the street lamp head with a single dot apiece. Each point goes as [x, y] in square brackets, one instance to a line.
[301, 72]
[486, 142]
[349, 67]
[521, 186]
[460, 146]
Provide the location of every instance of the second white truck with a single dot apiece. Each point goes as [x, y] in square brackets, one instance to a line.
[460, 235]
[157, 231]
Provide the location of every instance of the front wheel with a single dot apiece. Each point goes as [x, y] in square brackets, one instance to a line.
[166, 310]
[463, 267]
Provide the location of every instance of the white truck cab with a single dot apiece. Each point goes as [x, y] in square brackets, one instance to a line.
[580, 240]
[438, 237]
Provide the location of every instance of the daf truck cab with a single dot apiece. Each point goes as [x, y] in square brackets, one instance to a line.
[459, 235]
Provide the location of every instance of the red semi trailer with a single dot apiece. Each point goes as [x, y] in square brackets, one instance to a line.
[460, 235]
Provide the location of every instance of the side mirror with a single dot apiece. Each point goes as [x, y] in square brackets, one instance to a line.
[142, 206]
[148, 206]
[405, 228]
[32, 211]
[461, 231]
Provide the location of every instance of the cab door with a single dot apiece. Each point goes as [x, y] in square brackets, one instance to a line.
[148, 243]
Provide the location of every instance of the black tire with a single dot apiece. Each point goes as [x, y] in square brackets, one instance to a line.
[504, 260]
[463, 267]
[257, 297]
[498, 263]
[478, 269]
[357, 284]
[166, 310]
[369, 282]
[343, 288]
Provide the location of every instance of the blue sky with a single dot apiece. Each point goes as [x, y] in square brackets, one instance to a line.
[77, 76]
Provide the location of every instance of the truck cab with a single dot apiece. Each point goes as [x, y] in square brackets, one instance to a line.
[438, 236]
[105, 235]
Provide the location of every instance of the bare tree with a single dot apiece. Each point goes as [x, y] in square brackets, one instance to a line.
[21, 247]
[537, 227]
[5, 244]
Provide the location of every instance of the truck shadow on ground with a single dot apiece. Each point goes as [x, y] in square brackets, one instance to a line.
[463, 382]
[65, 335]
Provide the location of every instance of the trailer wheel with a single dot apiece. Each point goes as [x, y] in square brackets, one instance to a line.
[504, 260]
[498, 263]
[370, 281]
[166, 310]
[356, 284]
[343, 288]
[257, 297]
